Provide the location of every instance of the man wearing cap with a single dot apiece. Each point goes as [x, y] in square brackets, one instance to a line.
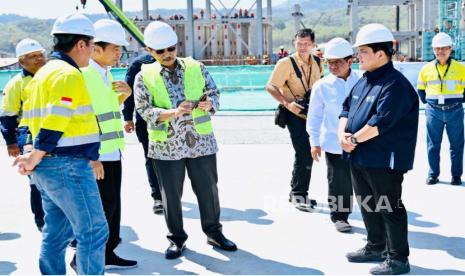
[31, 57]
[66, 143]
[326, 100]
[176, 97]
[378, 133]
[441, 86]
[107, 96]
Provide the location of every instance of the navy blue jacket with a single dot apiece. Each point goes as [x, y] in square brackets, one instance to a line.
[129, 105]
[133, 70]
[383, 98]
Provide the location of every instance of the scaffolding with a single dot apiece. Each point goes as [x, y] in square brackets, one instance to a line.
[451, 14]
[218, 35]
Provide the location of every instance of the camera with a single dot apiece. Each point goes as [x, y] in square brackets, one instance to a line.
[303, 102]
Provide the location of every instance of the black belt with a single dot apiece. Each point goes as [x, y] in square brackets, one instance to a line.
[445, 107]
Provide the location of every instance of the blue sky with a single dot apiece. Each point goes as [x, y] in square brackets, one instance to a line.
[54, 8]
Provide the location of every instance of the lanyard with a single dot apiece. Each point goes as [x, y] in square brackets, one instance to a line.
[308, 76]
[445, 73]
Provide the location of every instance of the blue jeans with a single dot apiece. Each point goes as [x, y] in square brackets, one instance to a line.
[73, 208]
[452, 120]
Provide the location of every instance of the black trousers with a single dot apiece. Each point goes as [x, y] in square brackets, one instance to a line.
[36, 206]
[387, 227]
[303, 161]
[110, 193]
[143, 137]
[203, 175]
[339, 187]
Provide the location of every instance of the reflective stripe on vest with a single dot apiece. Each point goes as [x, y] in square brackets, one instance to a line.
[78, 140]
[106, 106]
[194, 84]
[58, 100]
[450, 87]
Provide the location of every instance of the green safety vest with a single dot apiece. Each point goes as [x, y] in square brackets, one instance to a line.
[106, 107]
[194, 84]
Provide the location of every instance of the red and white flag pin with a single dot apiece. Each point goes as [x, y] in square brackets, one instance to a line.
[66, 101]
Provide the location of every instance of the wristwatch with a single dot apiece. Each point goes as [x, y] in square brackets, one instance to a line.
[353, 140]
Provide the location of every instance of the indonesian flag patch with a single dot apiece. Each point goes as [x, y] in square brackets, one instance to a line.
[66, 101]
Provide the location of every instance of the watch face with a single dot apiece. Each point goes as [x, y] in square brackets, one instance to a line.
[353, 140]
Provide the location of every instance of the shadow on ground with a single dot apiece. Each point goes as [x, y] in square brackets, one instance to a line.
[243, 262]
[254, 216]
[239, 262]
[7, 267]
[9, 236]
[149, 262]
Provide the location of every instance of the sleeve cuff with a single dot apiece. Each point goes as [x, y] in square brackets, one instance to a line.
[344, 114]
[47, 140]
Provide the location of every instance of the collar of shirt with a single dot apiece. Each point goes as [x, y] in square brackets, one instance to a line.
[26, 73]
[64, 57]
[103, 71]
[377, 73]
[300, 61]
[179, 65]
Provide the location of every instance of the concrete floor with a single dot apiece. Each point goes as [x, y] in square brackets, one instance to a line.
[254, 165]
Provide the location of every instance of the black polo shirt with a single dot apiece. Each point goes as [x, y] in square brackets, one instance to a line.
[383, 98]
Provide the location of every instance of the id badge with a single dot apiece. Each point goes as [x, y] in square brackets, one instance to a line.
[441, 99]
[450, 85]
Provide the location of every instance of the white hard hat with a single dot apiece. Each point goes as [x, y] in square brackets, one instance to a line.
[159, 35]
[27, 46]
[441, 40]
[75, 23]
[110, 31]
[373, 33]
[338, 48]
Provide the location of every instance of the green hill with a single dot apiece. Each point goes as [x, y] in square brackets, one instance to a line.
[327, 18]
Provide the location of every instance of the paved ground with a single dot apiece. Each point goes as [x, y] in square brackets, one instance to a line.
[254, 169]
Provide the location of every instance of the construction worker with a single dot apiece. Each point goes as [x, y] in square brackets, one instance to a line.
[107, 96]
[378, 132]
[441, 86]
[290, 84]
[141, 130]
[31, 57]
[176, 96]
[66, 137]
[326, 100]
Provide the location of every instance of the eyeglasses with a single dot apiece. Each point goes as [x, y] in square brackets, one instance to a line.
[169, 49]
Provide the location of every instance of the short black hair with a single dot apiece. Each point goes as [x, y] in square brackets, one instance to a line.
[305, 33]
[102, 44]
[386, 47]
[65, 42]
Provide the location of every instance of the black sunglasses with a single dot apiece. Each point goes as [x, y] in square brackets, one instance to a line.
[169, 49]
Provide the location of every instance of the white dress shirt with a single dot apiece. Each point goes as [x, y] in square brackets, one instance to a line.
[326, 100]
[115, 155]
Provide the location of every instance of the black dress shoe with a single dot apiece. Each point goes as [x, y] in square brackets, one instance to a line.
[431, 180]
[456, 180]
[174, 251]
[364, 255]
[221, 242]
[391, 267]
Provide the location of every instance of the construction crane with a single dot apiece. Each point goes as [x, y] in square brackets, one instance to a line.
[119, 15]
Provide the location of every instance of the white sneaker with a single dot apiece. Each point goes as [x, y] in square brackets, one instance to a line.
[342, 226]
